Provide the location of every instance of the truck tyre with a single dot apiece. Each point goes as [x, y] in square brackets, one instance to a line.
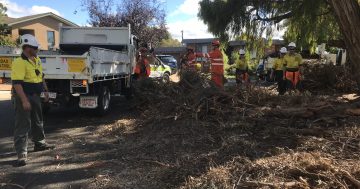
[166, 77]
[103, 101]
[128, 92]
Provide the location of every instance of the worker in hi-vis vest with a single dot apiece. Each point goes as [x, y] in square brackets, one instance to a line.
[292, 62]
[142, 68]
[242, 68]
[278, 71]
[217, 63]
[28, 84]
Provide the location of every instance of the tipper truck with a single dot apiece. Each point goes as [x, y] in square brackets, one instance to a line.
[92, 65]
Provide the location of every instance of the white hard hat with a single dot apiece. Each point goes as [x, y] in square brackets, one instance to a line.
[30, 40]
[292, 44]
[283, 50]
[242, 52]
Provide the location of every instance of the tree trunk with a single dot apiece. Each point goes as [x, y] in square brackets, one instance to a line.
[347, 13]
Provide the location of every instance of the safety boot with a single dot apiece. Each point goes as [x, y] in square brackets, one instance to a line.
[21, 161]
[43, 147]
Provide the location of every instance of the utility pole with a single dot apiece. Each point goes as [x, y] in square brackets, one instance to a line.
[182, 36]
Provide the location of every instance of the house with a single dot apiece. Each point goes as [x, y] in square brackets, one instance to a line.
[276, 45]
[200, 45]
[45, 27]
[176, 52]
[237, 45]
[241, 44]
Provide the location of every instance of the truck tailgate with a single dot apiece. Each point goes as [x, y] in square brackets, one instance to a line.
[65, 67]
[54, 66]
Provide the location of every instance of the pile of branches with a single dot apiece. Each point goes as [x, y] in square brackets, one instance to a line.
[328, 77]
[259, 141]
[286, 170]
[196, 98]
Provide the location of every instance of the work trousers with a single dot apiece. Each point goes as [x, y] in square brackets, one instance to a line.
[293, 80]
[217, 75]
[26, 121]
[279, 78]
[242, 76]
[218, 80]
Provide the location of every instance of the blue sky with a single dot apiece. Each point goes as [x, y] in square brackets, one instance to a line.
[181, 14]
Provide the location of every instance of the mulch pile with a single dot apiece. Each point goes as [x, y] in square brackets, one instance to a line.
[199, 136]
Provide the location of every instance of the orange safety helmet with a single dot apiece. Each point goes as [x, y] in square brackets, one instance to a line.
[216, 43]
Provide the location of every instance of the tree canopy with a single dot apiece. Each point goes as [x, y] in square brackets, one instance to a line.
[307, 21]
[170, 43]
[5, 39]
[146, 17]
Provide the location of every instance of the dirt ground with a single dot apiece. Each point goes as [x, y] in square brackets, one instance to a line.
[257, 141]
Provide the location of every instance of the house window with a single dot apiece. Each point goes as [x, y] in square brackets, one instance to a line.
[198, 48]
[51, 39]
[204, 49]
[26, 31]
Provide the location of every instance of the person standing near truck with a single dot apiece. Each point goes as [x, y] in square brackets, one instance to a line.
[142, 68]
[278, 71]
[242, 68]
[28, 84]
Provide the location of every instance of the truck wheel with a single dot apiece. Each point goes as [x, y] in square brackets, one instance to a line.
[166, 77]
[128, 91]
[104, 101]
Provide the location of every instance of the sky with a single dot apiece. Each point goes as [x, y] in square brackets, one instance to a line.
[181, 14]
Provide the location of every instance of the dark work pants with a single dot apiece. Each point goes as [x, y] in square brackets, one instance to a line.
[240, 75]
[279, 78]
[26, 121]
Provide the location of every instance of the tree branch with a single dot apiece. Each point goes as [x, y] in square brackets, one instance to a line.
[279, 18]
[275, 19]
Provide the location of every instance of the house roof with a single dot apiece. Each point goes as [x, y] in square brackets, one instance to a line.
[12, 21]
[237, 43]
[242, 43]
[192, 41]
[278, 42]
[170, 49]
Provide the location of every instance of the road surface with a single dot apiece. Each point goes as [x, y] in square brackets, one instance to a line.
[69, 165]
[6, 114]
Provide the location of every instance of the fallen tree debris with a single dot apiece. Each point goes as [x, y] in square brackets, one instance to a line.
[204, 137]
[327, 77]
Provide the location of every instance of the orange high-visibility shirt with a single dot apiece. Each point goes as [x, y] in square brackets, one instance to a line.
[143, 67]
[217, 62]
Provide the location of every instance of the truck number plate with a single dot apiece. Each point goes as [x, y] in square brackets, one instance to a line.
[88, 102]
[51, 95]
